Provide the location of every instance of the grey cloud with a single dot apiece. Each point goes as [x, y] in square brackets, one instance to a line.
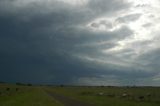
[147, 25]
[108, 25]
[108, 6]
[153, 58]
[129, 18]
[118, 75]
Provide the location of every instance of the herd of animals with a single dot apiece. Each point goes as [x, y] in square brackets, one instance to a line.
[123, 95]
[128, 96]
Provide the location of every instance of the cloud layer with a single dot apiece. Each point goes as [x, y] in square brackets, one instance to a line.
[81, 42]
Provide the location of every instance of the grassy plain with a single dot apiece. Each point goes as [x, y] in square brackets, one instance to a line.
[14, 95]
[112, 96]
[25, 96]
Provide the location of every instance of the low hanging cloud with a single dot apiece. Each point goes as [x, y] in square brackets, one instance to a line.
[81, 42]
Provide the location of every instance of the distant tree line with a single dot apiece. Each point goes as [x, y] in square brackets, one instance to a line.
[23, 84]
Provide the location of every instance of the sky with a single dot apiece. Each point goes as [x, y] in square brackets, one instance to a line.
[80, 42]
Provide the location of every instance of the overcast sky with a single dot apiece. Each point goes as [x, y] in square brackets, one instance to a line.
[80, 42]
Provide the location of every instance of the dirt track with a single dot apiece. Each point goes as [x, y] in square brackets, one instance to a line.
[67, 101]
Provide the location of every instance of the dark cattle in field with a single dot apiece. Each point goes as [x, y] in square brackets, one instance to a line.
[86, 93]
[17, 89]
[141, 97]
[111, 95]
[7, 89]
[148, 95]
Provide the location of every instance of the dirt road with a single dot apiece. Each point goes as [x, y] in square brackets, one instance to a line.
[66, 100]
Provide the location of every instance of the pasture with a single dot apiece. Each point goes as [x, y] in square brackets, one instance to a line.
[16, 95]
[13, 95]
[112, 96]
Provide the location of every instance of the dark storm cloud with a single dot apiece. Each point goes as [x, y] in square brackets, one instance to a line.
[152, 59]
[49, 42]
[34, 46]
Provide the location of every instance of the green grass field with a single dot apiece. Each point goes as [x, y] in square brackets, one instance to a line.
[13, 95]
[25, 96]
[113, 96]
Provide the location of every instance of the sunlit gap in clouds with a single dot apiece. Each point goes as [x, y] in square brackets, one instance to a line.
[141, 18]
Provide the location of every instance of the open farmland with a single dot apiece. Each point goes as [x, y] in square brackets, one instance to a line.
[111, 96]
[16, 95]
[13, 95]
